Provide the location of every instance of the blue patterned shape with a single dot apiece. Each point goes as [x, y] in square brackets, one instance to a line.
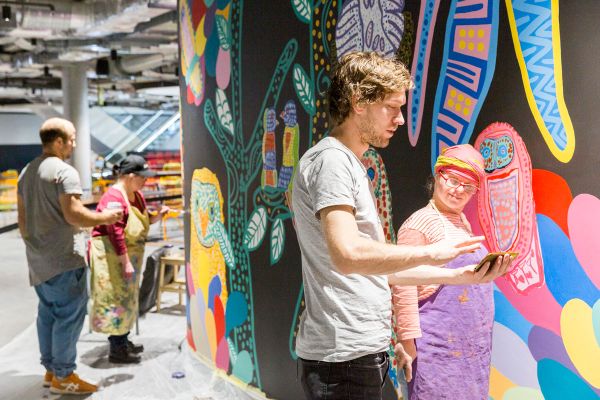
[534, 26]
[564, 276]
[461, 71]
[420, 67]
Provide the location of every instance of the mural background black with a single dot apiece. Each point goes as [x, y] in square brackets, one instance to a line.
[268, 25]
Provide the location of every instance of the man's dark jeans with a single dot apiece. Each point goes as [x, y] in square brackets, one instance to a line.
[361, 378]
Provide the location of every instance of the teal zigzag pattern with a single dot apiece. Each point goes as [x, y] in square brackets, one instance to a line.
[534, 25]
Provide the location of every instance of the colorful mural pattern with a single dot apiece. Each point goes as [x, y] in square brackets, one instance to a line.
[466, 74]
[536, 37]
[506, 207]
[370, 25]
[420, 67]
[544, 363]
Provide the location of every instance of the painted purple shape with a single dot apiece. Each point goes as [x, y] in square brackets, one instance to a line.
[545, 344]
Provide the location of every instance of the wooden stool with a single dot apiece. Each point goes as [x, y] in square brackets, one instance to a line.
[177, 286]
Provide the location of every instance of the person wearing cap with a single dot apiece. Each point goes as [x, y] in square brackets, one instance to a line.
[446, 330]
[116, 257]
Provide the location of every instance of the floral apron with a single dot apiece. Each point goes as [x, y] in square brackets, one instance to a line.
[454, 353]
[115, 300]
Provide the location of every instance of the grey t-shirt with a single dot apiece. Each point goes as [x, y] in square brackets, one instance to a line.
[53, 246]
[346, 316]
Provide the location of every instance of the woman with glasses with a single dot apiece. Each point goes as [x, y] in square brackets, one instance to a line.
[447, 330]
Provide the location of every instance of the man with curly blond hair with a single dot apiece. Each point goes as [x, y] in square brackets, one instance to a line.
[345, 329]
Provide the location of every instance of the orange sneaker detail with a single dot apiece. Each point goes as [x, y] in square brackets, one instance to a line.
[48, 378]
[72, 384]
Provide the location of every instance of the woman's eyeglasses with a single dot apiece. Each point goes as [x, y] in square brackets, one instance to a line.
[455, 184]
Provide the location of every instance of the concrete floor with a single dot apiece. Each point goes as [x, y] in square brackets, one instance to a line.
[162, 334]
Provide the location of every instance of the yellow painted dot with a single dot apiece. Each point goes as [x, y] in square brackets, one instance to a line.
[318, 102]
[466, 111]
[333, 21]
[461, 97]
[317, 10]
[480, 32]
[314, 32]
[317, 23]
[314, 46]
[453, 93]
[330, 13]
[480, 46]
[468, 101]
[461, 44]
[471, 46]
[327, 67]
[461, 33]
[316, 67]
[322, 61]
[457, 107]
[314, 129]
[328, 25]
[321, 48]
[450, 103]
[316, 57]
[329, 37]
[319, 35]
[471, 33]
[314, 120]
[334, 3]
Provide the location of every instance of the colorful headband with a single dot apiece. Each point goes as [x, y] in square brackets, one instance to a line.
[462, 160]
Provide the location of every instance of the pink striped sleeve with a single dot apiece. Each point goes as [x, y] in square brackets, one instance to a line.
[405, 305]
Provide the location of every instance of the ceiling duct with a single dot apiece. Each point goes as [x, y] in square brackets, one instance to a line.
[97, 19]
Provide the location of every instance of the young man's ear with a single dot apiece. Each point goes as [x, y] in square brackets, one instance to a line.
[357, 107]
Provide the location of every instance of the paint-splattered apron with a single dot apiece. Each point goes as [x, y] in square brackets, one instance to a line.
[454, 353]
[114, 299]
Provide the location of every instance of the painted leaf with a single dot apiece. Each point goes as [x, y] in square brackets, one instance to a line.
[223, 111]
[277, 240]
[302, 9]
[223, 239]
[255, 232]
[304, 89]
[224, 33]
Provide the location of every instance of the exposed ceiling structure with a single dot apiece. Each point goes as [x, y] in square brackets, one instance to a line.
[129, 47]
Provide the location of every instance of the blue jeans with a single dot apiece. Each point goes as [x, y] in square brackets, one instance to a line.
[61, 312]
[361, 378]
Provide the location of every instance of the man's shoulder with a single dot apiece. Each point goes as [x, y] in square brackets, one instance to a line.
[327, 149]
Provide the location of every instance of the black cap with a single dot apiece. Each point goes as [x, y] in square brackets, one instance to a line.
[134, 164]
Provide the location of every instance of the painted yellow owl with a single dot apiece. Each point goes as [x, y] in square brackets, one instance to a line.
[210, 252]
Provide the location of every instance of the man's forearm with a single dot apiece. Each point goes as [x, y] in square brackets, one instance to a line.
[366, 256]
[84, 218]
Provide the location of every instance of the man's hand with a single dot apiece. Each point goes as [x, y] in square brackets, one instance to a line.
[111, 216]
[486, 273]
[444, 251]
[404, 360]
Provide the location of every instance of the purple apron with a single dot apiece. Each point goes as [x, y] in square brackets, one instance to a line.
[454, 354]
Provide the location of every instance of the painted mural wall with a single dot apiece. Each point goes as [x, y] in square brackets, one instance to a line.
[514, 78]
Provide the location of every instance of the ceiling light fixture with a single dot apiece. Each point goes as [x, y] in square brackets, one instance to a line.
[6, 13]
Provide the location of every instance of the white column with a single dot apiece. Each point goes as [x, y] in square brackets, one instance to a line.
[76, 110]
